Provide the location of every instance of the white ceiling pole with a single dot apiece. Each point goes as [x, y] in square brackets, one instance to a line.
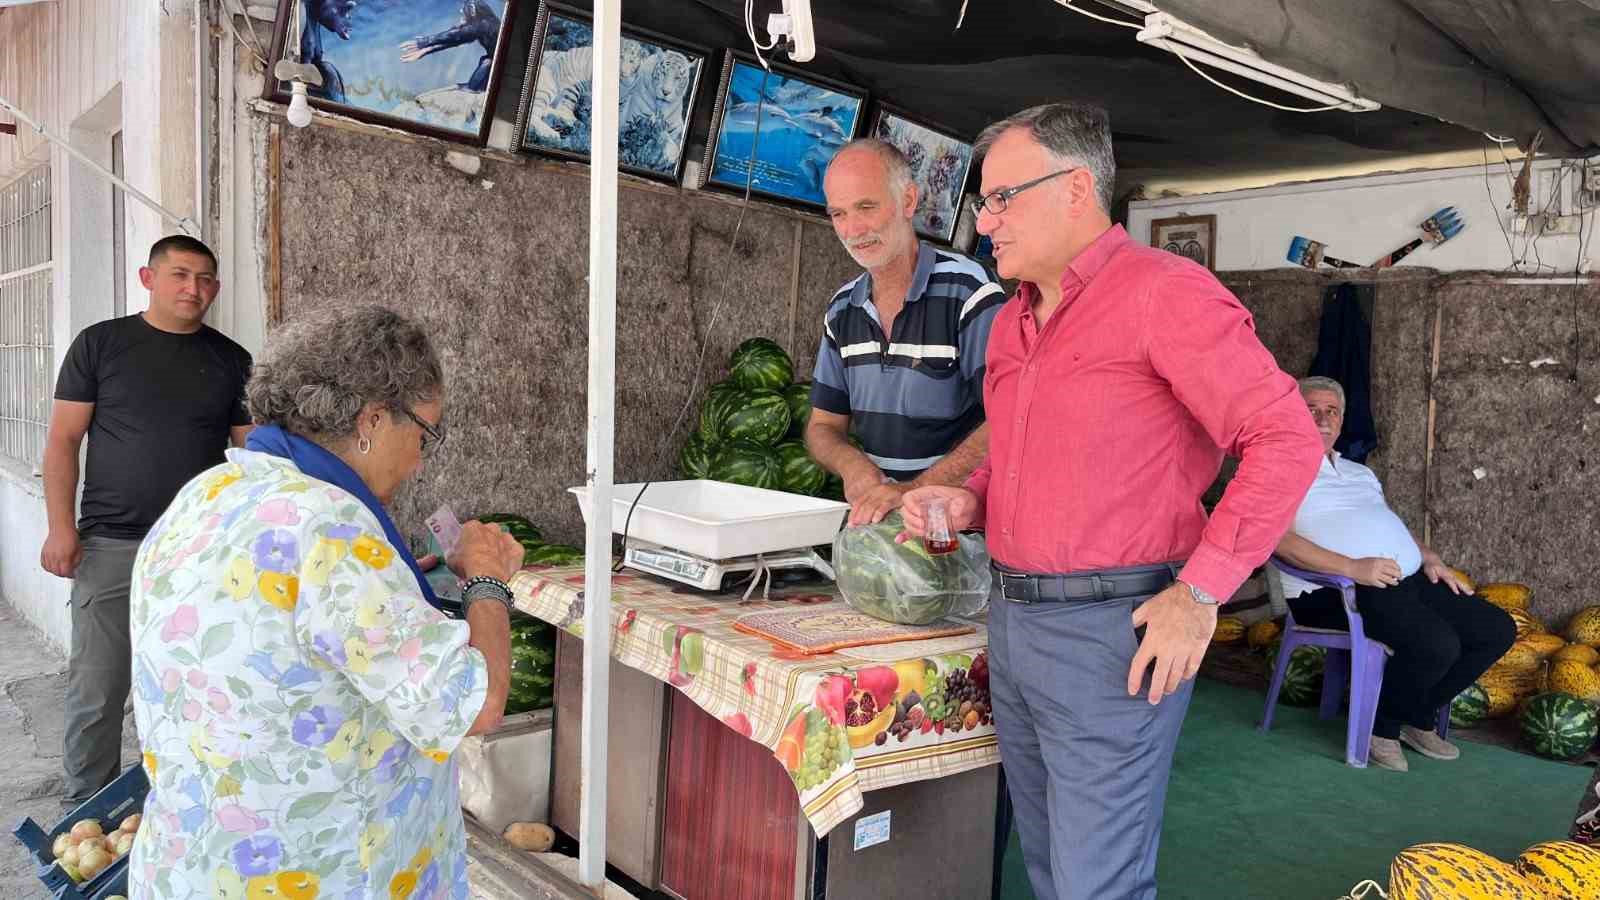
[6, 3]
[605, 93]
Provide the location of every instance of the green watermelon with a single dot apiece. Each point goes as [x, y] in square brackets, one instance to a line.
[763, 419]
[1559, 726]
[1470, 707]
[798, 473]
[517, 526]
[1302, 678]
[743, 462]
[798, 396]
[695, 458]
[760, 363]
[554, 555]
[721, 400]
[533, 662]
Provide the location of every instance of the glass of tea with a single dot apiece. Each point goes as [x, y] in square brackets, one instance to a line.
[939, 538]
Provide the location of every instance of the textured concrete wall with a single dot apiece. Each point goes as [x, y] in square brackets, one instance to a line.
[498, 274]
[1531, 429]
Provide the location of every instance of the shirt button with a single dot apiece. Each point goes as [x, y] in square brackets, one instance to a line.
[1077, 356]
[1019, 420]
[1005, 531]
[1013, 474]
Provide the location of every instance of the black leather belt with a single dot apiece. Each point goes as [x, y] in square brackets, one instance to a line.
[1084, 587]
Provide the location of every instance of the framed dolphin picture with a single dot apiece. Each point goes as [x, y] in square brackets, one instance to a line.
[939, 161]
[428, 66]
[775, 132]
[659, 81]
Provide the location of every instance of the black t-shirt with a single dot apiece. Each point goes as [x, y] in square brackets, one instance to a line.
[163, 407]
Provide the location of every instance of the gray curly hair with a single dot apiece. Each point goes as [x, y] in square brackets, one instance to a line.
[1322, 383]
[320, 369]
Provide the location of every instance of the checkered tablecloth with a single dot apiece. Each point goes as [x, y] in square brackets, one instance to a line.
[787, 702]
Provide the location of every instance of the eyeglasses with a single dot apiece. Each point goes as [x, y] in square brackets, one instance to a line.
[995, 202]
[432, 435]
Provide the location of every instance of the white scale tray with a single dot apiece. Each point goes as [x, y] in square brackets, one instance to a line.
[714, 520]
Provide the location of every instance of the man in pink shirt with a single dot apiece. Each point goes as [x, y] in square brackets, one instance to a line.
[1118, 377]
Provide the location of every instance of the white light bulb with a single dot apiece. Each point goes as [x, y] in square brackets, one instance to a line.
[299, 110]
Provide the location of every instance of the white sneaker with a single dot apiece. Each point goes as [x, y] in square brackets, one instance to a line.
[1386, 752]
[1428, 743]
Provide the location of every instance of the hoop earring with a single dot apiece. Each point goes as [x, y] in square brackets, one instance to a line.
[364, 445]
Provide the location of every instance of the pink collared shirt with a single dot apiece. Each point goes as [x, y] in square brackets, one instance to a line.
[1107, 426]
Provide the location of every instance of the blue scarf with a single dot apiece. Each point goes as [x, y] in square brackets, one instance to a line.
[318, 463]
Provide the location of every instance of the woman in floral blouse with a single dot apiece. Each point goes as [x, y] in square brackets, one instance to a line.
[297, 697]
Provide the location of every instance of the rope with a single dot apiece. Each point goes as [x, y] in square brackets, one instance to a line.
[1363, 890]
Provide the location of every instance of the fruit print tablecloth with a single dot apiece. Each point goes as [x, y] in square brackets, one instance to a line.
[841, 723]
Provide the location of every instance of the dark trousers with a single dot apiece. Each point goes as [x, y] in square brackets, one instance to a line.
[1442, 642]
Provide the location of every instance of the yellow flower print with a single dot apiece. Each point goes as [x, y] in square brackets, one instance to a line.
[200, 746]
[240, 579]
[279, 589]
[376, 746]
[357, 655]
[149, 764]
[401, 885]
[373, 611]
[372, 551]
[293, 885]
[372, 840]
[324, 555]
[439, 756]
[344, 741]
[226, 884]
[421, 860]
[219, 481]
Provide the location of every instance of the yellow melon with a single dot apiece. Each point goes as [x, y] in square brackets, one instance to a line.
[1579, 653]
[1544, 644]
[1229, 630]
[1262, 634]
[1585, 627]
[1466, 581]
[1561, 869]
[1575, 678]
[1507, 595]
[1520, 657]
[1434, 871]
[1528, 624]
[1502, 700]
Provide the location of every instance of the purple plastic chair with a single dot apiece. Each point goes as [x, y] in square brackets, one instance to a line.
[1351, 655]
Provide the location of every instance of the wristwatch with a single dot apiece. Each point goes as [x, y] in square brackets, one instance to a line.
[1200, 596]
[483, 587]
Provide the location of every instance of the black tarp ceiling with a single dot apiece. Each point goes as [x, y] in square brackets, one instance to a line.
[1511, 67]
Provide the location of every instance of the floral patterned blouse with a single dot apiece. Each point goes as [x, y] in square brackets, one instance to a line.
[297, 701]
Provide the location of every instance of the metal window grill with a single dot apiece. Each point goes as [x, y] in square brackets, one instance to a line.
[25, 350]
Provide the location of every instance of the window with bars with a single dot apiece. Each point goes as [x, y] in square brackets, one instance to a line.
[25, 352]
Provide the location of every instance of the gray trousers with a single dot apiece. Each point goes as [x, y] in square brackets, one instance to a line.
[1086, 765]
[100, 667]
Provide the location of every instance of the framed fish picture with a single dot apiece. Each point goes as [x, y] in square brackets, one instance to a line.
[427, 66]
[777, 131]
[659, 81]
[939, 161]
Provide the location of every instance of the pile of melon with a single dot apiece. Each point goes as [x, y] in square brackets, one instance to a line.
[1553, 870]
[1550, 681]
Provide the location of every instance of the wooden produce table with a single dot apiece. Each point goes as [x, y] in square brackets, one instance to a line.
[719, 799]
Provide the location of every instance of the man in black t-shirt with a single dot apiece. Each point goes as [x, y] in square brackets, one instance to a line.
[159, 395]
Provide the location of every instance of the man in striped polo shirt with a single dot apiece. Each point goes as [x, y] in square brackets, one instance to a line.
[902, 356]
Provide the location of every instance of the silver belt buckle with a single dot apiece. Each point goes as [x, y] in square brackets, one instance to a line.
[1021, 580]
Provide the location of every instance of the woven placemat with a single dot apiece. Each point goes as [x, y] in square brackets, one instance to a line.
[826, 629]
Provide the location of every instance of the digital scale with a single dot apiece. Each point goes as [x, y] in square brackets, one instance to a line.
[703, 533]
[715, 574]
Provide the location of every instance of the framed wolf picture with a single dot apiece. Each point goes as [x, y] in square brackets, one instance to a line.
[428, 66]
[939, 162]
[659, 79]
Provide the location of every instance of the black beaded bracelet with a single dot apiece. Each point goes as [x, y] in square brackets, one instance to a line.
[484, 587]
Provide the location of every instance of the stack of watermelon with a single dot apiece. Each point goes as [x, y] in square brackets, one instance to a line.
[535, 552]
[533, 664]
[751, 427]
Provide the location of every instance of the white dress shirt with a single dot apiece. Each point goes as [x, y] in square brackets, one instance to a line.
[1344, 511]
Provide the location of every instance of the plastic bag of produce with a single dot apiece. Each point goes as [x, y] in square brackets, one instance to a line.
[903, 583]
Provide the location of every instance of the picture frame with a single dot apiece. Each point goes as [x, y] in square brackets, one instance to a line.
[660, 82]
[1193, 237]
[940, 164]
[409, 64]
[801, 119]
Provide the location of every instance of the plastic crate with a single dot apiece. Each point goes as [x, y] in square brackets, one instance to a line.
[113, 803]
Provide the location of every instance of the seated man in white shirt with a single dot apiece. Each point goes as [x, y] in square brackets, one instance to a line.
[1443, 637]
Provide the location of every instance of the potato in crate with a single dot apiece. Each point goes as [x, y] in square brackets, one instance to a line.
[85, 856]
